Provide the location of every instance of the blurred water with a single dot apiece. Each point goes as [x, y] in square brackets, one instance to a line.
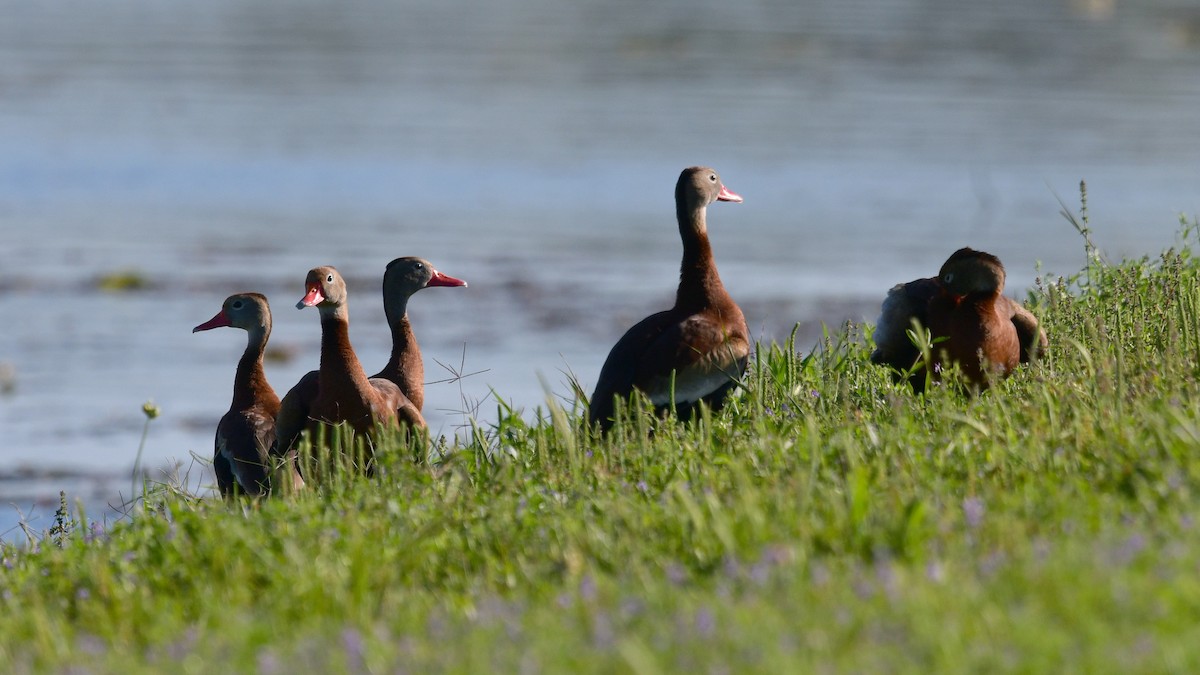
[531, 147]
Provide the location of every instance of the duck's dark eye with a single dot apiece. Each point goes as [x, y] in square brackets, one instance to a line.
[329, 279]
[948, 277]
[712, 177]
[420, 266]
[237, 304]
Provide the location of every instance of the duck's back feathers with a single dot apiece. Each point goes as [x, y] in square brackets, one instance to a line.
[904, 303]
[1033, 339]
[236, 460]
[294, 412]
[621, 368]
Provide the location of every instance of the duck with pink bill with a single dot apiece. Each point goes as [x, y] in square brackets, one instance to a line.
[697, 350]
[247, 431]
[405, 369]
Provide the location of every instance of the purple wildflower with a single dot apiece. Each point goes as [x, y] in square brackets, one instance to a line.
[631, 607]
[760, 572]
[706, 622]
[730, 566]
[676, 574]
[973, 511]
[352, 644]
[935, 571]
[268, 663]
[587, 588]
[820, 574]
[1130, 548]
[564, 601]
[992, 563]
[885, 572]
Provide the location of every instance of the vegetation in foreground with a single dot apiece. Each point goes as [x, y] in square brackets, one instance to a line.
[827, 520]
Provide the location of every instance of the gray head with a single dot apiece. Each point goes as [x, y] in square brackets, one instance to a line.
[699, 186]
[323, 288]
[405, 276]
[248, 311]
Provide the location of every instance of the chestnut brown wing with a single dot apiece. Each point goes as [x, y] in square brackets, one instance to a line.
[703, 352]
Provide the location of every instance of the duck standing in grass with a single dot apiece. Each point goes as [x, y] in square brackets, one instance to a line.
[402, 278]
[340, 392]
[699, 348]
[986, 334]
[246, 432]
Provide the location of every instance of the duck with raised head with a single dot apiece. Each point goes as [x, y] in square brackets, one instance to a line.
[985, 333]
[699, 348]
[340, 391]
[246, 432]
[402, 278]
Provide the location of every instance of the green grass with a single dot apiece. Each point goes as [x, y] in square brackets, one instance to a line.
[827, 520]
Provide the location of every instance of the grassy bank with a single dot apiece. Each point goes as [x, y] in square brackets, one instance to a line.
[827, 520]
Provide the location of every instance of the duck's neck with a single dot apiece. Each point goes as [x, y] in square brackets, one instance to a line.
[405, 368]
[339, 364]
[699, 283]
[250, 384]
[987, 299]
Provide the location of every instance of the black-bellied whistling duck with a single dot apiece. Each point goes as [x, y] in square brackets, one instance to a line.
[246, 432]
[340, 392]
[985, 333]
[402, 278]
[700, 346]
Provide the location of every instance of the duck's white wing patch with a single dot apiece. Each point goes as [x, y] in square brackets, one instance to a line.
[690, 386]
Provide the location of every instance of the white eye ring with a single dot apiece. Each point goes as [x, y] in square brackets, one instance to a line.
[329, 279]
